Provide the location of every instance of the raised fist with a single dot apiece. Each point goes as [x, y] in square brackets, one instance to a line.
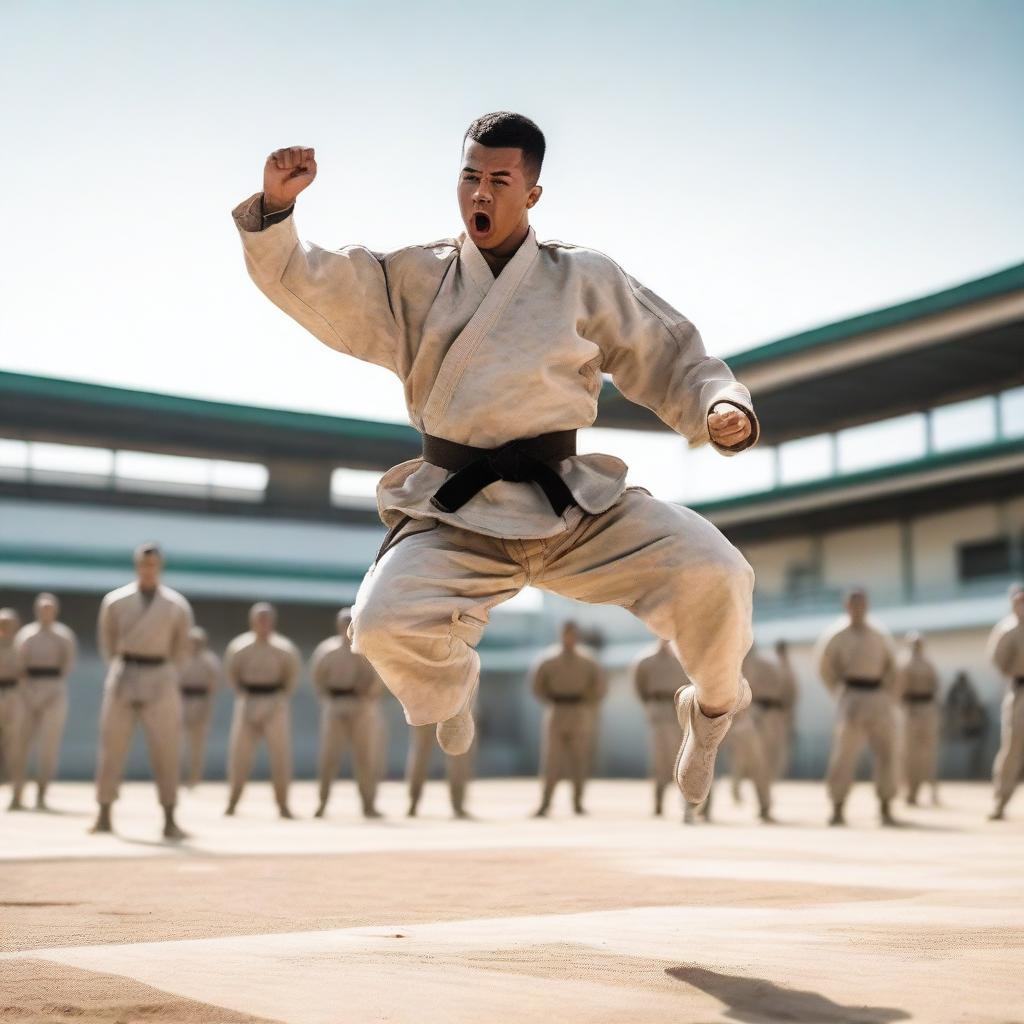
[285, 174]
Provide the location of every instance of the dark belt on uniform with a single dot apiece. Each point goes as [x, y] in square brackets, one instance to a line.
[1018, 681]
[341, 691]
[919, 698]
[575, 698]
[769, 703]
[44, 671]
[525, 460]
[6, 684]
[142, 659]
[261, 689]
[862, 684]
[194, 691]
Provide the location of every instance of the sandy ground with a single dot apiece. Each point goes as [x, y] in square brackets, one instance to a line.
[614, 917]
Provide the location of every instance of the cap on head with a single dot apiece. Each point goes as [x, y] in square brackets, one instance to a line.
[504, 130]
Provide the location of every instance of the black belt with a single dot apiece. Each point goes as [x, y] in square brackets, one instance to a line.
[769, 703]
[1018, 681]
[919, 698]
[525, 460]
[260, 689]
[568, 699]
[142, 659]
[6, 684]
[194, 691]
[341, 691]
[44, 671]
[863, 684]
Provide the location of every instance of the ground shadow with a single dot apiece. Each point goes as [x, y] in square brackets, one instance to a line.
[757, 1001]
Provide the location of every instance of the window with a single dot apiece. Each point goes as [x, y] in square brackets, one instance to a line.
[984, 559]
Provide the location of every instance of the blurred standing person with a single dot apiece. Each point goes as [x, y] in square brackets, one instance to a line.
[791, 693]
[47, 650]
[656, 679]
[966, 720]
[1006, 650]
[572, 685]
[262, 666]
[856, 664]
[12, 708]
[458, 768]
[199, 681]
[349, 692]
[917, 683]
[143, 637]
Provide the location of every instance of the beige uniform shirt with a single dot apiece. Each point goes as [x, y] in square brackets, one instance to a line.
[335, 666]
[128, 624]
[658, 676]
[251, 661]
[486, 360]
[569, 675]
[916, 676]
[848, 652]
[1006, 647]
[766, 680]
[201, 672]
[41, 646]
[8, 659]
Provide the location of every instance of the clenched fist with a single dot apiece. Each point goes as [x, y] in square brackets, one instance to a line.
[728, 425]
[285, 174]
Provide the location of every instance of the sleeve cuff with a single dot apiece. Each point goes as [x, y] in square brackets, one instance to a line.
[249, 215]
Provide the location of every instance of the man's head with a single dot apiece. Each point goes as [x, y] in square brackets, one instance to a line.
[46, 608]
[197, 639]
[856, 605]
[343, 621]
[914, 641]
[262, 619]
[570, 635]
[502, 154]
[781, 648]
[149, 563]
[1017, 600]
[9, 623]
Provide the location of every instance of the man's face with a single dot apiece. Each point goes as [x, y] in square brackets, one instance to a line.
[263, 623]
[570, 637]
[8, 626]
[494, 194]
[46, 613]
[147, 569]
[857, 606]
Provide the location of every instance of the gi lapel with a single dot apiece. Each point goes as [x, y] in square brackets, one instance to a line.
[135, 632]
[498, 293]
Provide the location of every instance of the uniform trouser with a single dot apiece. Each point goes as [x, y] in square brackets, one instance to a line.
[46, 710]
[198, 713]
[356, 727]
[12, 738]
[254, 718]
[1009, 763]
[749, 760]
[920, 744]
[422, 608]
[567, 748]
[863, 717]
[772, 726]
[665, 739]
[152, 698]
[458, 768]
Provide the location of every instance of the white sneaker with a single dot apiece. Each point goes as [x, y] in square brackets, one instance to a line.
[702, 736]
[455, 736]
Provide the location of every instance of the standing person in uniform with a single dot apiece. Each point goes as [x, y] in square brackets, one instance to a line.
[199, 681]
[501, 343]
[917, 683]
[572, 685]
[791, 692]
[349, 693]
[965, 720]
[656, 678]
[12, 708]
[143, 637]
[856, 663]
[47, 650]
[263, 668]
[1006, 651]
[458, 768]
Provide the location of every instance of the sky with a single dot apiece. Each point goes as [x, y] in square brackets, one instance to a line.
[764, 166]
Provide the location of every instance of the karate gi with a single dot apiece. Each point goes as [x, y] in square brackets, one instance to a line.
[459, 770]
[145, 643]
[46, 657]
[656, 677]
[486, 360]
[917, 684]
[791, 691]
[850, 658]
[263, 673]
[199, 681]
[770, 709]
[572, 685]
[1006, 651]
[12, 719]
[349, 693]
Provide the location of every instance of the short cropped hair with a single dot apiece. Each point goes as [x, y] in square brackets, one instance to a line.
[150, 547]
[505, 129]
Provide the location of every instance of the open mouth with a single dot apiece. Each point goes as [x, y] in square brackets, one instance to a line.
[482, 223]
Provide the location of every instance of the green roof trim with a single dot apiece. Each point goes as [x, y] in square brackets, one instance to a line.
[940, 460]
[1000, 283]
[152, 401]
